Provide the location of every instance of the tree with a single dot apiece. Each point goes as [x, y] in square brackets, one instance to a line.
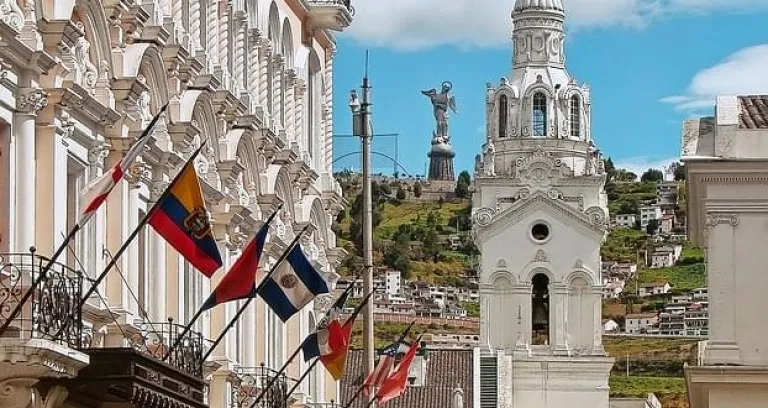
[653, 226]
[679, 172]
[462, 185]
[400, 193]
[625, 176]
[653, 175]
[417, 190]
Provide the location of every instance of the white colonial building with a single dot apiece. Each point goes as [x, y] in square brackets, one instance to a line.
[540, 217]
[79, 80]
[727, 171]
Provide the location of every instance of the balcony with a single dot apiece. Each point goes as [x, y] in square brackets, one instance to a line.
[335, 15]
[247, 384]
[136, 374]
[30, 349]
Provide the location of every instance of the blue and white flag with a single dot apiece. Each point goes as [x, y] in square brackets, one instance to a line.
[290, 289]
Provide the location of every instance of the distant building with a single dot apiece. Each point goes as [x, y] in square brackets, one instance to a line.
[393, 282]
[697, 319]
[648, 213]
[666, 256]
[613, 290]
[625, 220]
[640, 323]
[650, 289]
[667, 224]
[666, 193]
[610, 326]
[672, 320]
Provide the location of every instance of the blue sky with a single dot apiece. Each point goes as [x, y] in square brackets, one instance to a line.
[650, 64]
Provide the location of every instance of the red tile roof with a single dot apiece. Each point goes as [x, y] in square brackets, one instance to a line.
[753, 112]
[446, 369]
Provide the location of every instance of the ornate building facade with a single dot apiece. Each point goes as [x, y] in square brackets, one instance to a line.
[540, 217]
[79, 80]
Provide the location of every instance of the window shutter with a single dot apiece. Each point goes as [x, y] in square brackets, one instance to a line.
[489, 377]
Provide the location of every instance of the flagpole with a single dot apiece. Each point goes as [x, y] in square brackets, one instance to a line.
[298, 349]
[16, 310]
[357, 394]
[95, 286]
[255, 292]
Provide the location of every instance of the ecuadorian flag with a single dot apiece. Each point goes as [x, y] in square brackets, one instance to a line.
[181, 218]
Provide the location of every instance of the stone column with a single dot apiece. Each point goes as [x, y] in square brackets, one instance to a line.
[265, 84]
[157, 272]
[596, 297]
[220, 315]
[299, 109]
[132, 272]
[28, 103]
[486, 291]
[278, 101]
[522, 316]
[254, 67]
[722, 348]
[289, 100]
[559, 318]
[326, 144]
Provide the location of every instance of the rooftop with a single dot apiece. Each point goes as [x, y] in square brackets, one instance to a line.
[753, 112]
[447, 369]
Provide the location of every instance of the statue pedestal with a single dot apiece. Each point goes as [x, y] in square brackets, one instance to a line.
[441, 163]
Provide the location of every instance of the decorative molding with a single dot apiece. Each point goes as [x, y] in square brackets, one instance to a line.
[717, 219]
[31, 100]
[541, 256]
[484, 216]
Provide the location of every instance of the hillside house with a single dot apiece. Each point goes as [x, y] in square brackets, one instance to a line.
[641, 323]
[625, 220]
[648, 213]
[610, 326]
[651, 289]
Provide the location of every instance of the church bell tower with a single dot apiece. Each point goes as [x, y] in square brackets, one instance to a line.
[540, 217]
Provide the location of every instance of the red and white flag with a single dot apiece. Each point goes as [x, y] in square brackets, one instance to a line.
[396, 384]
[96, 192]
[384, 368]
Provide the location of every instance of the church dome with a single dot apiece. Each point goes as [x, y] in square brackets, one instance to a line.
[539, 5]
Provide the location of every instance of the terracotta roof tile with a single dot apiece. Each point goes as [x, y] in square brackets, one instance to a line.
[753, 112]
[446, 369]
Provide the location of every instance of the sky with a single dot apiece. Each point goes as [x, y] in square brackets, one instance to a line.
[650, 64]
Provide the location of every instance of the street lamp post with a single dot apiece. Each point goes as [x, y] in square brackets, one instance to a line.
[361, 114]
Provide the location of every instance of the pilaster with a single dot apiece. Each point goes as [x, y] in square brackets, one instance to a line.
[559, 322]
[722, 348]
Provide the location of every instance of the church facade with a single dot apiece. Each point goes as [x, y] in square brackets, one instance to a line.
[540, 217]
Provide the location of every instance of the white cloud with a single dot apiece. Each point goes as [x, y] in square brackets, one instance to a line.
[419, 24]
[742, 73]
[640, 165]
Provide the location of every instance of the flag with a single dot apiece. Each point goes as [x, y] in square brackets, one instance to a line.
[240, 281]
[328, 336]
[395, 384]
[95, 193]
[181, 218]
[384, 367]
[336, 362]
[387, 361]
[288, 290]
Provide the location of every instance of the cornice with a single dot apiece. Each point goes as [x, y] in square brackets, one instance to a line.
[489, 223]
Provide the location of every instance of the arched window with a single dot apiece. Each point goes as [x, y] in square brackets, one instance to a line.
[503, 115]
[575, 116]
[539, 115]
[540, 310]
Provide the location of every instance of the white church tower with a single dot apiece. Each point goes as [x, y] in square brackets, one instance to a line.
[540, 217]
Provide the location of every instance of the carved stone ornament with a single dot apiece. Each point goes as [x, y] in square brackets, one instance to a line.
[717, 219]
[501, 263]
[98, 153]
[31, 100]
[16, 392]
[596, 215]
[484, 216]
[86, 72]
[540, 169]
[579, 264]
[541, 256]
[11, 14]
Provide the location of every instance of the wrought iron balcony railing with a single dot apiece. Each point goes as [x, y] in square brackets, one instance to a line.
[54, 303]
[155, 339]
[345, 3]
[248, 383]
